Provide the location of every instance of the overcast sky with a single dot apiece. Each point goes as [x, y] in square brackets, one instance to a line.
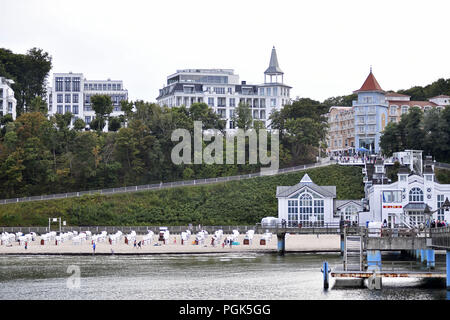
[325, 48]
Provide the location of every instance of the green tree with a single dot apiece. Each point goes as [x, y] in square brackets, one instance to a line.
[102, 105]
[29, 72]
[243, 117]
[114, 124]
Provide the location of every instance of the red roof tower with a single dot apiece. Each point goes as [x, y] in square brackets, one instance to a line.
[370, 85]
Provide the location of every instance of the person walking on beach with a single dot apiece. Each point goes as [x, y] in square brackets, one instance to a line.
[135, 243]
[26, 245]
[93, 247]
[139, 245]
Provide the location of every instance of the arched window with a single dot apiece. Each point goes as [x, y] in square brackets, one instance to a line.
[305, 205]
[348, 212]
[405, 109]
[416, 195]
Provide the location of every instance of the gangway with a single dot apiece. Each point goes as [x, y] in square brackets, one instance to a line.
[353, 253]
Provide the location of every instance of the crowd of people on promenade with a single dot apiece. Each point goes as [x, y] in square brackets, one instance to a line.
[438, 224]
[356, 158]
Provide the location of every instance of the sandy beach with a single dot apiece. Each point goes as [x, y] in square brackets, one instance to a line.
[294, 243]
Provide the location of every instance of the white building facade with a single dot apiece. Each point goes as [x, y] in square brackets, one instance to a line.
[71, 92]
[8, 103]
[308, 205]
[221, 90]
[403, 203]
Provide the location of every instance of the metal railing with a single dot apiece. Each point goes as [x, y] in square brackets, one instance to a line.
[166, 185]
[440, 237]
[317, 228]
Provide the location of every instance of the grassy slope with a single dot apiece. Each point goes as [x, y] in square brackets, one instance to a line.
[234, 202]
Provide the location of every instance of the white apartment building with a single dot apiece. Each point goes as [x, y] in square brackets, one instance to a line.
[71, 92]
[221, 90]
[7, 101]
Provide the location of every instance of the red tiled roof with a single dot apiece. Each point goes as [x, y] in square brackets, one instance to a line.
[371, 84]
[395, 94]
[441, 96]
[412, 103]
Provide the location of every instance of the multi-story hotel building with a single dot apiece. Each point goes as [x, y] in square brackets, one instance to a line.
[399, 104]
[221, 90]
[341, 131]
[361, 126]
[71, 92]
[7, 101]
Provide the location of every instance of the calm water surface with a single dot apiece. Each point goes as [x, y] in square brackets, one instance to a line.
[244, 276]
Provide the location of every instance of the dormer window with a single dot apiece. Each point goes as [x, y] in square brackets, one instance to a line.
[429, 177]
[402, 177]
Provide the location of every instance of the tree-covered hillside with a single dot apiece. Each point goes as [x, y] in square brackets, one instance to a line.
[229, 203]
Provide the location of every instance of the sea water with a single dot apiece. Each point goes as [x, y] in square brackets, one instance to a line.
[230, 276]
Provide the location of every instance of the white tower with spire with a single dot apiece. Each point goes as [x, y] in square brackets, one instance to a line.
[273, 71]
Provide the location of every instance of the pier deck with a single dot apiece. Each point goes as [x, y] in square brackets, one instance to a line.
[388, 274]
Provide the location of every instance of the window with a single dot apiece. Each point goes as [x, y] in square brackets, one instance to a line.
[67, 109]
[230, 90]
[59, 109]
[109, 86]
[416, 195]
[188, 89]
[68, 82]
[275, 91]
[350, 211]
[269, 91]
[263, 114]
[58, 84]
[232, 102]
[211, 102]
[273, 102]
[114, 86]
[75, 98]
[59, 98]
[219, 90]
[9, 107]
[405, 109]
[429, 177]
[392, 196]
[221, 113]
[393, 110]
[76, 84]
[104, 87]
[87, 119]
[221, 102]
[367, 99]
[67, 98]
[305, 209]
[402, 178]
[292, 213]
[261, 91]
[440, 202]
[263, 103]
[75, 109]
[319, 213]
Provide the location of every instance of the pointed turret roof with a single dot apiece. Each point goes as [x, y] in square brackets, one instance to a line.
[371, 84]
[273, 68]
